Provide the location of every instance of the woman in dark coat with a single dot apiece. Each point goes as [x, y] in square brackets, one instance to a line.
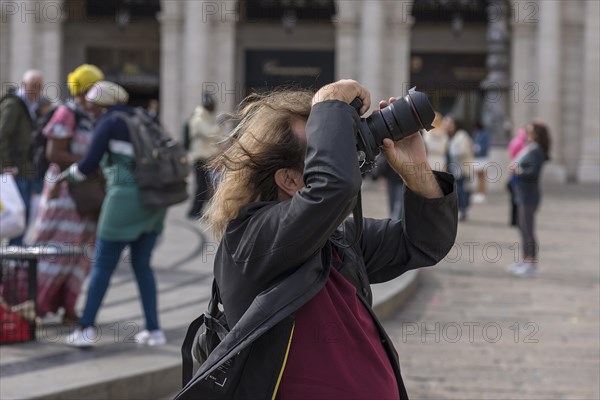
[527, 168]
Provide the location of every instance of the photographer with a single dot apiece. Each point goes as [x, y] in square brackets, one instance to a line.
[292, 278]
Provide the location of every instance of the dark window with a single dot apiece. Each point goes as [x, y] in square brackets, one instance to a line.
[136, 8]
[446, 10]
[275, 10]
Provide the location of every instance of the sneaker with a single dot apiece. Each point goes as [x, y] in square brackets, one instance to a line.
[526, 270]
[478, 198]
[514, 267]
[86, 337]
[154, 338]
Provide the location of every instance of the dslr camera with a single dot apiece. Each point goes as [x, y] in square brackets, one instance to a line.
[411, 114]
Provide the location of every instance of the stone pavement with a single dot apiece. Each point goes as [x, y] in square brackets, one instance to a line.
[474, 332]
[119, 369]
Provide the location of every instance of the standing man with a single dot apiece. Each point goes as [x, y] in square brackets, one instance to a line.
[204, 137]
[17, 123]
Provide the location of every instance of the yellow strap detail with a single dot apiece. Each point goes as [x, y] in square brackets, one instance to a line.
[284, 362]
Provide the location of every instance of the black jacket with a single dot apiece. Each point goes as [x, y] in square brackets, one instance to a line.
[527, 188]
[275, 256]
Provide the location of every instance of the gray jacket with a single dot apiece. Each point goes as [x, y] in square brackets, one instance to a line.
[276, 256]
[16, 136]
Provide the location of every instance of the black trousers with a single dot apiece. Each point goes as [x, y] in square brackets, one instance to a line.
[527, 228]
[202, 189]
[513, 217]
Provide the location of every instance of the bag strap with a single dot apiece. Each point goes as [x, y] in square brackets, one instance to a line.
[190, 336]
[186, 350]
[133, 131]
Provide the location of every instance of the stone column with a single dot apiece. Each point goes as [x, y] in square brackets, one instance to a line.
[171, 74]
[496, 87]
[5, 47]
[23, 31]
[51, 40]
[399, 30]
[589, 166]
[496, 83]
[226, 90]
[346, 38]
[523, 56]
[549, 81]
[197, 35]
[371, 48]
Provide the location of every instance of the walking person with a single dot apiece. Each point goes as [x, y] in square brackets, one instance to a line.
[124, 222]
[205, 136]
[68, 133]
[460, 162]
[481, 141]
[294, 287]
[527, 169]
[17, 124]
[436, 142]
[394, 187]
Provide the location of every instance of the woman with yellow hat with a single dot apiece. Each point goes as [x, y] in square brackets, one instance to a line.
[69, 134]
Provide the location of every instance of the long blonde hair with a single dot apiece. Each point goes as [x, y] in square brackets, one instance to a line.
[261, 143]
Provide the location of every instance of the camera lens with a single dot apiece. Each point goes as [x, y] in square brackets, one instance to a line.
[398, 120]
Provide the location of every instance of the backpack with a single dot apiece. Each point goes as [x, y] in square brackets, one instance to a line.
[161, 163]
[199, 342]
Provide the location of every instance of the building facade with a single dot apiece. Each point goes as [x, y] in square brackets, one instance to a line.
[174, 50]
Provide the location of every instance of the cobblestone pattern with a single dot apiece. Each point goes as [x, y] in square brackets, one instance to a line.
[472, 331]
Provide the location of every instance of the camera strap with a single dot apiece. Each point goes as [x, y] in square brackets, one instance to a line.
[357, 215]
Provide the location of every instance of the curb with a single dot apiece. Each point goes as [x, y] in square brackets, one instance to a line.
[146, 385]
[406, 286]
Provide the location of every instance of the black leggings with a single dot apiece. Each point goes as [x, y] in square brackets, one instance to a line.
[527, 228]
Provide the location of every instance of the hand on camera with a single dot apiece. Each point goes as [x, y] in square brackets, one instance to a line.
[405, 154]
[345, 90]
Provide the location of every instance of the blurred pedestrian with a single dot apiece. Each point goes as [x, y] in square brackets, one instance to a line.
[514, 147]
[436, 142]
[527, 169]
[460, 162]
[69, 133]
[17, 125]
[394, 186]
[40, 162]
[481, 141]
[153, 110]
[205, 137]
[124, 222]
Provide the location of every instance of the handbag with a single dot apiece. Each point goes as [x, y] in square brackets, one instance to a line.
[204, 334]
[88, 195]
[12, 208]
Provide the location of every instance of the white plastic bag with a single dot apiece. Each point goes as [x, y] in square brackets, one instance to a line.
[12, 208]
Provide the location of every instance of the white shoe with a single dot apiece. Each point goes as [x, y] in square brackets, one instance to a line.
[514, 267]
[87, 337]
[526, 270]
[154, 338]
[478, 198]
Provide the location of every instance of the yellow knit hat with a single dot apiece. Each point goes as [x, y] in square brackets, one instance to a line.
[82, 79]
